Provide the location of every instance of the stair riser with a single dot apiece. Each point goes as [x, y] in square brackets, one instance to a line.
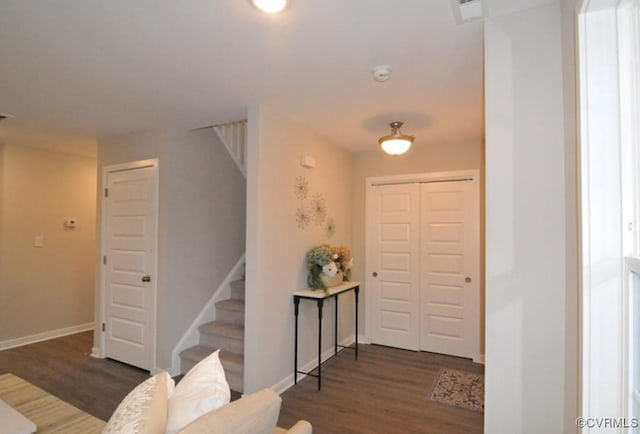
[225, 343]
[230, 316]
[186, 365]
[235, 380]
[237, 293]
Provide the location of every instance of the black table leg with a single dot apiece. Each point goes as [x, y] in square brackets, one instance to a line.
[356, 290]
[296, 303]
[335, 331]
[320, 304]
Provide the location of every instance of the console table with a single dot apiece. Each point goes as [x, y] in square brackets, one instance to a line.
[320, 296]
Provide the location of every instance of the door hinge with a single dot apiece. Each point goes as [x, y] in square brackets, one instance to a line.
[106, 192]
[104, 260]
[104, 327]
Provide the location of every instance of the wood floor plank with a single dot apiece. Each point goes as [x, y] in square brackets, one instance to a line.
[385, 391]
[64, 368]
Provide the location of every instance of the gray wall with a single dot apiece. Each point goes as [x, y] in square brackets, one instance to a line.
[47, 289]
[528, 206]
[201, 222]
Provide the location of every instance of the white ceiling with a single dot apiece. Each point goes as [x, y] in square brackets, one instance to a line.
[72, 71]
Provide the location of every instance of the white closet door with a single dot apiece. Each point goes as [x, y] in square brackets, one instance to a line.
[393, 265]
[450, 268]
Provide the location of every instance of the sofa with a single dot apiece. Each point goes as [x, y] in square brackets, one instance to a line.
[198, 404]
[255, 413]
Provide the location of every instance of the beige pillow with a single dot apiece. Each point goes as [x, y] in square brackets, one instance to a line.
[203, 389]
[252, 414]
[144, 409]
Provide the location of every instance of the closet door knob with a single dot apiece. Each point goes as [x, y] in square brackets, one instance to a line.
[375, 274]
[467, 279]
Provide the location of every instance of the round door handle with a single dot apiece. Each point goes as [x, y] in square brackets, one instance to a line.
[375, 274]
[146, 278]
[467, 279]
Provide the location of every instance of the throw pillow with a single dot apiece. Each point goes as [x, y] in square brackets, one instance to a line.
[203, 389]
[144, 409]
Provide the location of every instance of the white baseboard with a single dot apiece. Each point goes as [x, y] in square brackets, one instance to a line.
[45, 336]
[97, 353]
[287, 382]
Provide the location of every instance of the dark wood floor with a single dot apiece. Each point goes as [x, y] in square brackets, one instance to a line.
[385, 391]
[65, 368]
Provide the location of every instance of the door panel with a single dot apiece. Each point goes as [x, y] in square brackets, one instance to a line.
[450, 274]
[392, 233]
[130, 247]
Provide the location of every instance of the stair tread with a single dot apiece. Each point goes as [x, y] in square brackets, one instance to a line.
[231, 304]
[223, 328]
[197, 352]
[231, 362]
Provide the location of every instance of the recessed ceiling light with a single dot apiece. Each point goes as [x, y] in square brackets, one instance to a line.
[270, 6]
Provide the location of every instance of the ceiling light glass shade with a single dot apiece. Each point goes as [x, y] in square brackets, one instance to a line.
[270, 6]
[396, 143]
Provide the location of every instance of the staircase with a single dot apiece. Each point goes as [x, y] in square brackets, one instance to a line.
[225, 333]
[234, 137]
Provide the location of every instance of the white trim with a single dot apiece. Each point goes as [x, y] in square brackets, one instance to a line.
[207, 314]
[455, 175]
[284, 384]
[479, 359]
[99, 350]
[609, 200]
[45, 336]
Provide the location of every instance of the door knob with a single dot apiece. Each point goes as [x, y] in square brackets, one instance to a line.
[146, 278]
[467, 279]
[375, 274]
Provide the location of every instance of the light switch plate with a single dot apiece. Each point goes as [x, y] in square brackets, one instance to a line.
[38, 241]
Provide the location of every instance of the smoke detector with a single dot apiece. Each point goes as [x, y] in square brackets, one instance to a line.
[467, 10]
[381, 73]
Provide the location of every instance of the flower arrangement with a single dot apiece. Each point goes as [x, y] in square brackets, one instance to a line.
[327, 262]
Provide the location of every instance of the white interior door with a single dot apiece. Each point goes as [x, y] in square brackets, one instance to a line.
[130, 239]
[393, 265]
[450, 268]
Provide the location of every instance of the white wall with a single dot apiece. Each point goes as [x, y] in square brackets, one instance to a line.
[421, 158]
[49, 288]
[526, 227]
[201, 224]
[276, 246]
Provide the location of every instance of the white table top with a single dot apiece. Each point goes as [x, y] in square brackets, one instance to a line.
[13, 422]
[319, 293]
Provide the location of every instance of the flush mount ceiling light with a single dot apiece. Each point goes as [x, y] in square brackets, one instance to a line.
[270, 6]
[396, 143]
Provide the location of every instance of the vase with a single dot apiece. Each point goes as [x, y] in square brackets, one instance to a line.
[330, 281]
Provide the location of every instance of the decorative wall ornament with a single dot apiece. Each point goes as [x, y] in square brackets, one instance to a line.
[301, 187]
[330, 228]
[302, 217]
[318, 209]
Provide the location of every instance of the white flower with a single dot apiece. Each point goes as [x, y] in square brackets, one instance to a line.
[335, 256]
[331, 269]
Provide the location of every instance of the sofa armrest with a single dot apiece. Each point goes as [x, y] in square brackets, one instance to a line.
[256, 413]
[301, 427]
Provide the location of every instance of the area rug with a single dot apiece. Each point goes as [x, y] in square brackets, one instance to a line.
[50, 414]
[459, 388]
